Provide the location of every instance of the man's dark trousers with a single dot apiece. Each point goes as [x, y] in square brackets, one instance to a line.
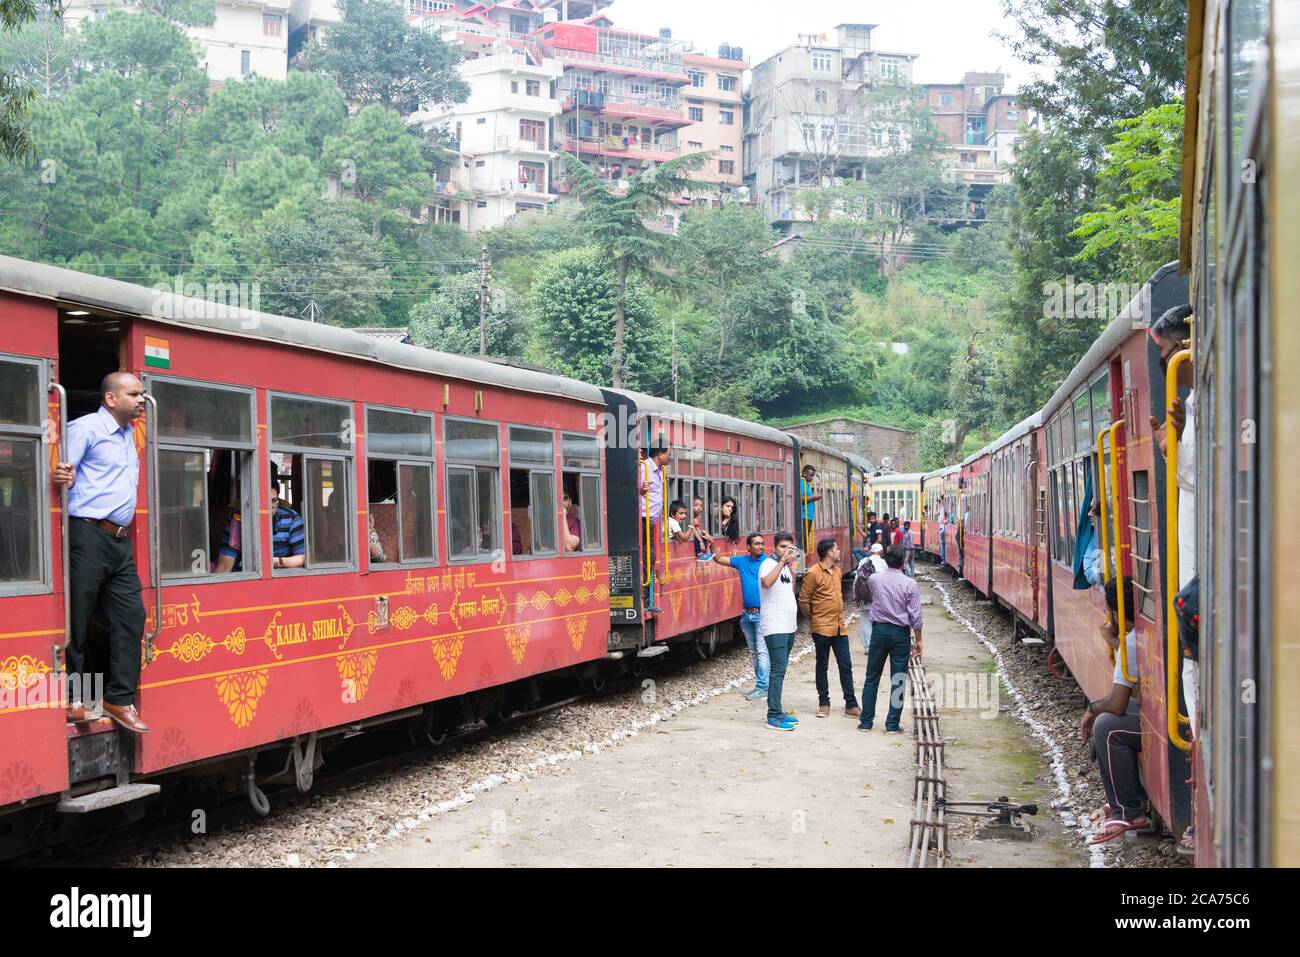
[825, 644]
[103, 578]
[895, 643]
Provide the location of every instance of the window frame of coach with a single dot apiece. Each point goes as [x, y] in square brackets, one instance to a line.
[400, 460]
[584, 472]
[475, 467]
[344, 457]
[534, 468]
[15, 434]
[245, 449]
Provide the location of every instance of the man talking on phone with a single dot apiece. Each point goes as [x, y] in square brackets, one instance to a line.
[778, 619]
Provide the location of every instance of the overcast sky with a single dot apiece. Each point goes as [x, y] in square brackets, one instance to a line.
[951, 36]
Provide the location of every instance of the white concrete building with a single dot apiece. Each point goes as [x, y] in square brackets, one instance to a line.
[246, 36]
[504, 132]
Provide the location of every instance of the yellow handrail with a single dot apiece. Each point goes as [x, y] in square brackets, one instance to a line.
[1122, 625]
[1172, 656]
[645, 480]
[663, 517]
[1101, 508]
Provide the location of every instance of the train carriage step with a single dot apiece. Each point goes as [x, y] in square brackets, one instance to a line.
[652, 651]
[112, 797]
[1032, 641]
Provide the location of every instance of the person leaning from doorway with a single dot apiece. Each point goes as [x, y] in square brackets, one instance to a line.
[822, 600]
[102, 474]
[650, 498]
[806, 493]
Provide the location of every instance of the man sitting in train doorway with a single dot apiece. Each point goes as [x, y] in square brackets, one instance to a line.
[102, 474]
[1114, 724]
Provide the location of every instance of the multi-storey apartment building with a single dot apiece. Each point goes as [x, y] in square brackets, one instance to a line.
[246, 36]
[807, 125]
[503, 134]
[714, 104]
[982, 127]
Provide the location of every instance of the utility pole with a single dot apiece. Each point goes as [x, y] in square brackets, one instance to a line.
[484, 279]
[674, 357]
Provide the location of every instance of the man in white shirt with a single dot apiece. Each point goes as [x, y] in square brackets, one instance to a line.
[877, 559]
[777, 621]
[650, 497]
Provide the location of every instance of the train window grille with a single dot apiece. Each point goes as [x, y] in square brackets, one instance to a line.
[1140, 528]
[472, 490]
[1040, 516]
[206, 453]
[534, 503]
[24, 485]
[399, 485]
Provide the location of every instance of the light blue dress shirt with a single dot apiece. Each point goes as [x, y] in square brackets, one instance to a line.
[107, 468]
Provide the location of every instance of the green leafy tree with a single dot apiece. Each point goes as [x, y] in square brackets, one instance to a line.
[1108, 58]
[1137, 211]
[39, 54]
[378, 58]
[449, 319]
[577, 300]
[617, 222]
[378, 162]
[17, 94]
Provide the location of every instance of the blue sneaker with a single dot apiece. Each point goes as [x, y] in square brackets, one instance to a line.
[789, 717]
[706, 557]
[755, 694]
[780, 724]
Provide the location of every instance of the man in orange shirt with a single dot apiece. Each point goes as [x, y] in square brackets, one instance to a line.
[822, 599]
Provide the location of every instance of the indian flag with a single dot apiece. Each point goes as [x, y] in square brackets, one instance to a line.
[157, 353]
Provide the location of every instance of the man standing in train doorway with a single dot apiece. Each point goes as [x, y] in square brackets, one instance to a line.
[102, 474]
[808, 497]
[651, 494]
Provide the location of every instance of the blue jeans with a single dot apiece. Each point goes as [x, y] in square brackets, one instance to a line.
[895, 643]
[757, 649]
[778, 650]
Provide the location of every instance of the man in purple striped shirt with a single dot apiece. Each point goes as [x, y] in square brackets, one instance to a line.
[895, 615]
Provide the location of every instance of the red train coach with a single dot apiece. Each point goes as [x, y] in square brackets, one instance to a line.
[938, 495]
[832, 516]
[467, 587]
[1018, 524]
[714, 457]
[1098, 421]
[976, 504]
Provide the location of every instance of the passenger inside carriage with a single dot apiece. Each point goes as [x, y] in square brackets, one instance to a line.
[1114, 724]
[572, 524]
[288, 536]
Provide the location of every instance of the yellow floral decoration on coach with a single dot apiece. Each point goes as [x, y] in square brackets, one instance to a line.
[21, 672]
[446, 651]
[354, 672]
[517, 637]
[241, 693]
[577, 628]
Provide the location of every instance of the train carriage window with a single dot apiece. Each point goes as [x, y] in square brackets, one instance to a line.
[1143, 564]
[534, 505]
[305, 437]
[23, 483]
[1083, 434]
[715, 508]
[580, 458]
[473, 515]
[780, 506]
[399, 486]
[205, 479]
[1100, 409]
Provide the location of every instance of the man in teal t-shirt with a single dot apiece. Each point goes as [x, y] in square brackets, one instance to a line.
[806, 493]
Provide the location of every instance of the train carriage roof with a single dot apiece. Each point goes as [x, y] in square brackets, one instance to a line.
[81, 289]
[858, 462]
[1019, 430]
[710, 420]
[940, 473]
[900, 477]
[823, 449]
[1159, 290]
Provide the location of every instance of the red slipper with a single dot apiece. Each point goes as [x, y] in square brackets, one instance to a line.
[1115, 827]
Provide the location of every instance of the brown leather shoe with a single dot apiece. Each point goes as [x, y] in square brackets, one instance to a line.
[823, 711]
[126, 716]
[77, 712]
[852, 712]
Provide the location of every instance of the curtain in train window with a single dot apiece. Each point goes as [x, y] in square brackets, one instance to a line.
[473, 516]
[533, 502]
[399, 485]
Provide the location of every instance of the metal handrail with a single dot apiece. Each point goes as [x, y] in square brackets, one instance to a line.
[1122, 631]
[1101, 511]
[66, 567]
[155, 549]
[1173, 715]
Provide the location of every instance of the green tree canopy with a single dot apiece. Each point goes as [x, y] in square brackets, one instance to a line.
[449, 319]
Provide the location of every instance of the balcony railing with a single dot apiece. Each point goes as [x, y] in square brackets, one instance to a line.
[614, 144]
[507, 142]
[670, 65]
